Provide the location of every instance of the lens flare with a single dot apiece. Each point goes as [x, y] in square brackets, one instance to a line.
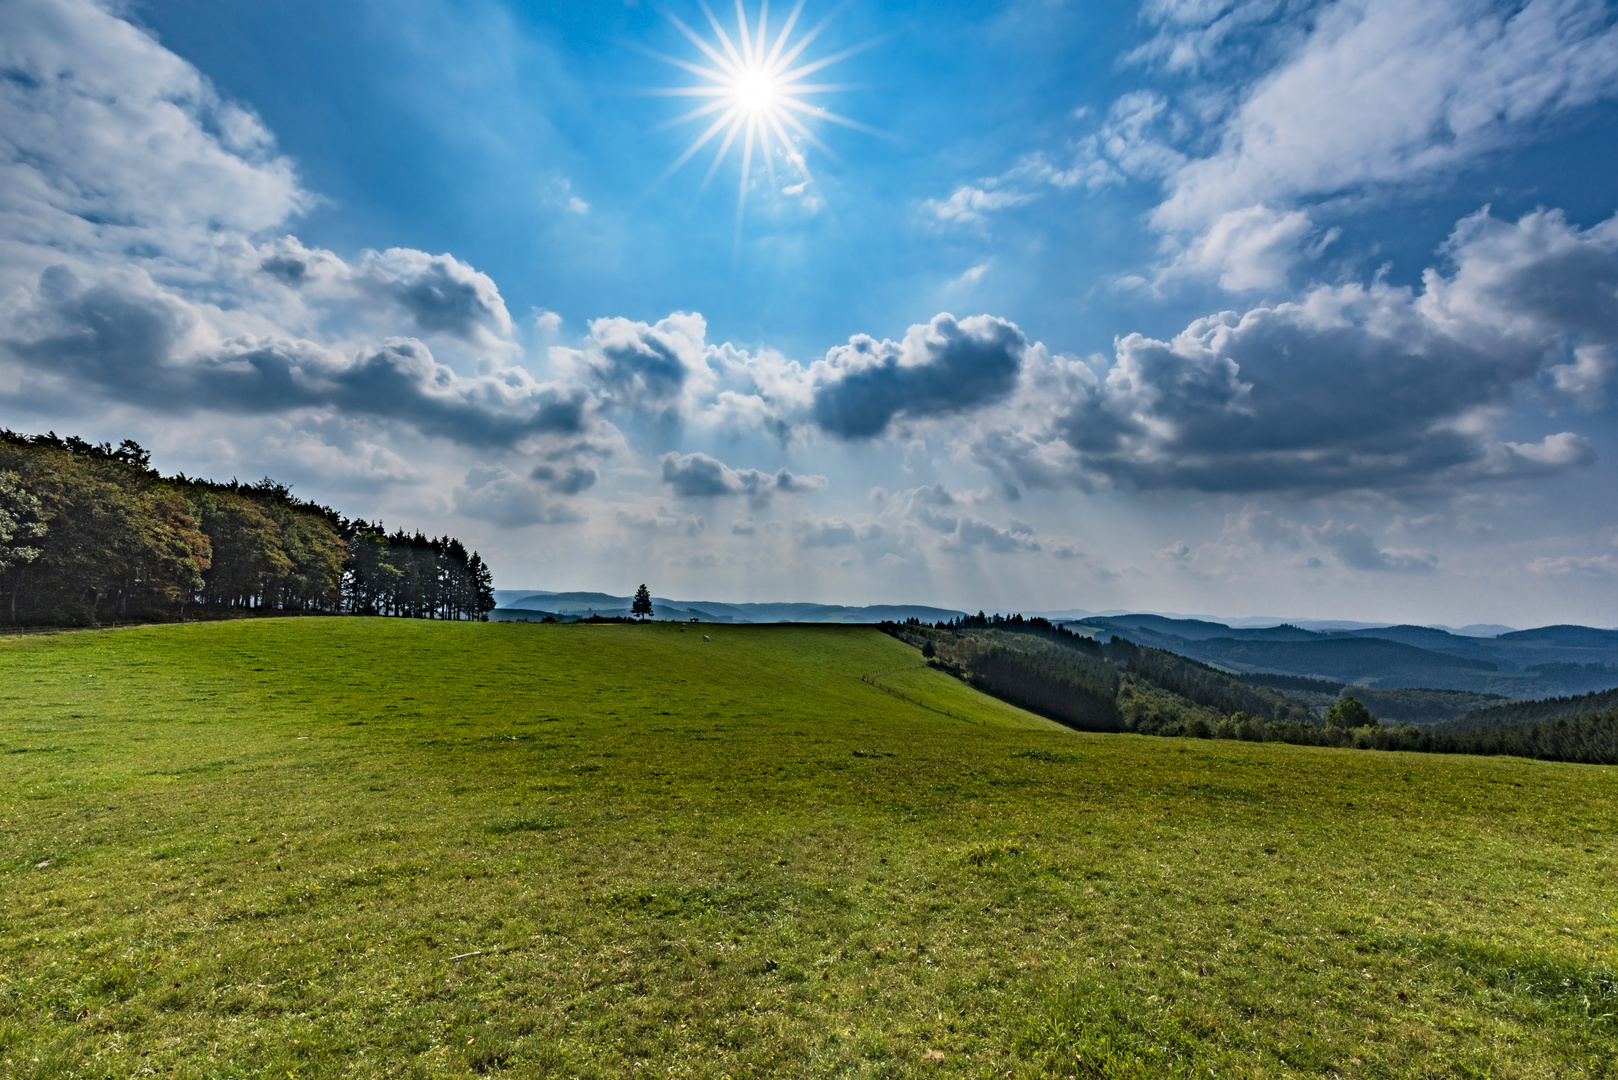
[760, 96]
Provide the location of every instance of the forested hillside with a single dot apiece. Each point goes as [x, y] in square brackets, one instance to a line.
[1121, 686]
[90, 533]
[1528, 712]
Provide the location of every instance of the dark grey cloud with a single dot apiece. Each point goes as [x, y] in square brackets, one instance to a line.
[442, 294]
[931, 506]
[934, 507]
[400, 380]
[1020, 459]
[1357, 387]
[662, 519]
[1018, 536]
[835, 532]
[650, 367]
[647, 360]
[790, 483]
[565, 481]
[439, 294]
[497, 495]
[125, 340]
[1357, 549]
[698, 476]
[287, 269]
[946, 366]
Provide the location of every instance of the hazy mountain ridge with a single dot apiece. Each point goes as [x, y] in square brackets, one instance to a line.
[1543, 662]
[518, 604]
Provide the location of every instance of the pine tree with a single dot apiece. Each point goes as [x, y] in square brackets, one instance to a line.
[642, 607]
[483, 584]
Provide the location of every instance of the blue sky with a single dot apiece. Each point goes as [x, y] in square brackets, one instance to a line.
[1239, 306]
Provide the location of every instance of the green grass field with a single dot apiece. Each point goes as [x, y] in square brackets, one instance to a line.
[346, 847]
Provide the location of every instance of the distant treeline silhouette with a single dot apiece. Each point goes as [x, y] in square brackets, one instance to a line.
[91, 533]
[1292, 682]
[1527, 712]
[1121, 686]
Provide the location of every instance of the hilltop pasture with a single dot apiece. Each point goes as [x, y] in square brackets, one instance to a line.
[370, 848]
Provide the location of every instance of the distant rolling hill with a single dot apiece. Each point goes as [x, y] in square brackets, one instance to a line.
[1546, 662]
[520, 604]
[1550, 661]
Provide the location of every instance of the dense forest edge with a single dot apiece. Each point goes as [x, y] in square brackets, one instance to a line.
[1119, 686]
[91, 534]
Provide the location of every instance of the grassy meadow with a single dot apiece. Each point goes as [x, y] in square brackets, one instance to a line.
[366, 848]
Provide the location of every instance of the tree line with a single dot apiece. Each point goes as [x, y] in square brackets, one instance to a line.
[91, 533]
[1122, 686]
[1511, 713]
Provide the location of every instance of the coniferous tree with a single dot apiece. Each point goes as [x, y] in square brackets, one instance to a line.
[642, 607]
[483, 583]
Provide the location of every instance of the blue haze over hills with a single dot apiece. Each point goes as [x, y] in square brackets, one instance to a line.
[1549, 661]
[532, 604]
[1544, 662]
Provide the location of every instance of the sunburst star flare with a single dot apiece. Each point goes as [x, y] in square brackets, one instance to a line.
[759, 94]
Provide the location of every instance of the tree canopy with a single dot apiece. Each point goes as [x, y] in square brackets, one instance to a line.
[642, 606]
[91, 533]
[1350, 712]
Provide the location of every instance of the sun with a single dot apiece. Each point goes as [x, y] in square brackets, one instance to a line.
[759, 95]
[754, 90]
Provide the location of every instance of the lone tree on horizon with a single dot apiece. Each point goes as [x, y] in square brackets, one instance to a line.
[642, 607]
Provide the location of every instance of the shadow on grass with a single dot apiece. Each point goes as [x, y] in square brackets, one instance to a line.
[1584, 992]
[1106, 1029]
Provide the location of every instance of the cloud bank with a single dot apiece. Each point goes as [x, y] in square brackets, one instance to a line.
[149, 265]
[1349, 387]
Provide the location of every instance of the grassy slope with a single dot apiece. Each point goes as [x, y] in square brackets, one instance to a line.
[267, 842]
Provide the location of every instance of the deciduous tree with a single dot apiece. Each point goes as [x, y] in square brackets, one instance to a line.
[1350, 712]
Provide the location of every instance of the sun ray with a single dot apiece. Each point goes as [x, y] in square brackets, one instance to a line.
[786, 30]
[685, 65]
[826, 114]
[736, 60]
[747, 167]
[755, 78]
[691, 151]
[745, 37]
[808, 136]
[763, 22]
[737, 116]
[808, 39]
[766, 151]
[799, 162]
[700, 111]
[810, 68]
[696, 39]
[691, 91]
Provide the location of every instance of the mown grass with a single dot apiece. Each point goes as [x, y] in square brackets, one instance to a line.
[344, 847]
